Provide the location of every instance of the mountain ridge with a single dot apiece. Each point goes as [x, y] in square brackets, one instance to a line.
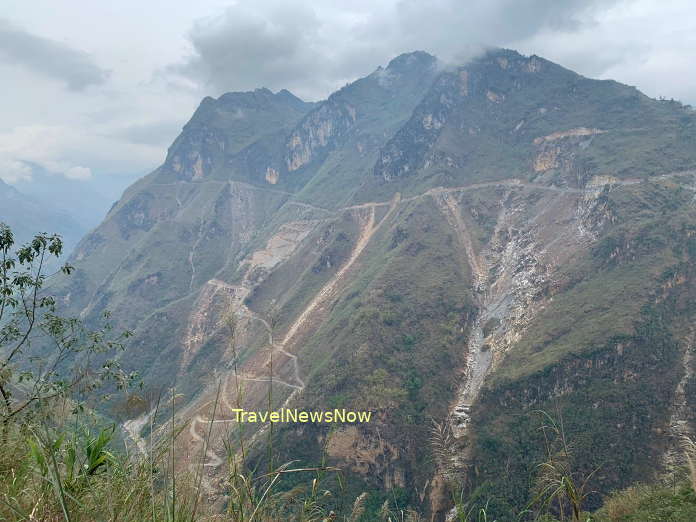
[27, 215]
[451, 243]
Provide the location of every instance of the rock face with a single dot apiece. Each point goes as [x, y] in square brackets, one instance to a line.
[467, 244]
[222, 132]
[320, 129]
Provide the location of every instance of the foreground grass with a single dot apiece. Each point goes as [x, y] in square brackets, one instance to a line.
[47, 477]
[643, 503]
[72, 475]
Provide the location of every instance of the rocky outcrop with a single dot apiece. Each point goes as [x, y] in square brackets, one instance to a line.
[195, 154]
[222, 132]
[318, 132]
[558, 150]
[461, 102]
[407, 151]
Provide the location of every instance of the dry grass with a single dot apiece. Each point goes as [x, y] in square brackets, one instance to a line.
[623, 504]
[689, 447]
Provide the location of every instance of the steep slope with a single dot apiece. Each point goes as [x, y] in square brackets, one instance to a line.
[338, 144]
[607, 351]
[505, 115]
[176, 228]
[227, 184]
[466, 244]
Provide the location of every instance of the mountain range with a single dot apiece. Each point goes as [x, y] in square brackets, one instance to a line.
[27, 215]
[452, 246]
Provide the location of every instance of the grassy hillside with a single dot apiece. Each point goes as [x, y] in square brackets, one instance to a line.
[606, 357]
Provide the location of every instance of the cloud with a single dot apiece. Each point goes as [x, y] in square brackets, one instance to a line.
[446, 26]
[161, 71]
[78, 172]
[642, 43]
[159, 133]
[249, 46]
[313, 48]
[49, 58]
[13, 171]
[69, 152]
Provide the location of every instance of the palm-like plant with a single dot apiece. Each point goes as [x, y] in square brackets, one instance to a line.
[557, 482]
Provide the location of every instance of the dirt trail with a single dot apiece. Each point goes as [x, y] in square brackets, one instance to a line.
[213, 459]
[368, 229]
[450, 207]
[430, 192]
[366, 234]
[308, 206]
[278, 348]
[192, 253]
[680, 411]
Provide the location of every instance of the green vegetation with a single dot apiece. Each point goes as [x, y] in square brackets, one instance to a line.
[604, 357]
[59, 459]
[44, 356]
[654, 503]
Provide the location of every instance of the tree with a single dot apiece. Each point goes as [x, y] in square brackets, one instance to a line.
[43, 355]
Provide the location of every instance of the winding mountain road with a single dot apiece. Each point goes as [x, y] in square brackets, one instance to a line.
[368, 227]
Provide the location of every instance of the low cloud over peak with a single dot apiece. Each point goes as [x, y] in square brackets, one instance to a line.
[313, 48]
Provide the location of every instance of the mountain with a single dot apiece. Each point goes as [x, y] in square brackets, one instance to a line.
[466, 244]
[87, 201]
[27, 216]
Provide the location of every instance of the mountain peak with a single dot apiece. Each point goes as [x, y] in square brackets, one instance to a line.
[221, 128]
[507, 60]
[259, 97]
[292, 100]
[498, 52]
[261, 94]
[409, 60]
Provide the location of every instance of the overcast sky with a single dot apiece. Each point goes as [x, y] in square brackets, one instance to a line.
[102, 88]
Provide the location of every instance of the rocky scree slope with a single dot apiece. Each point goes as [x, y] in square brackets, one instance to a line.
[466, 244]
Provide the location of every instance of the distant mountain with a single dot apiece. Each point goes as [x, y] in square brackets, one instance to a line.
[467, 244]
[87, 201]
[28, 216]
